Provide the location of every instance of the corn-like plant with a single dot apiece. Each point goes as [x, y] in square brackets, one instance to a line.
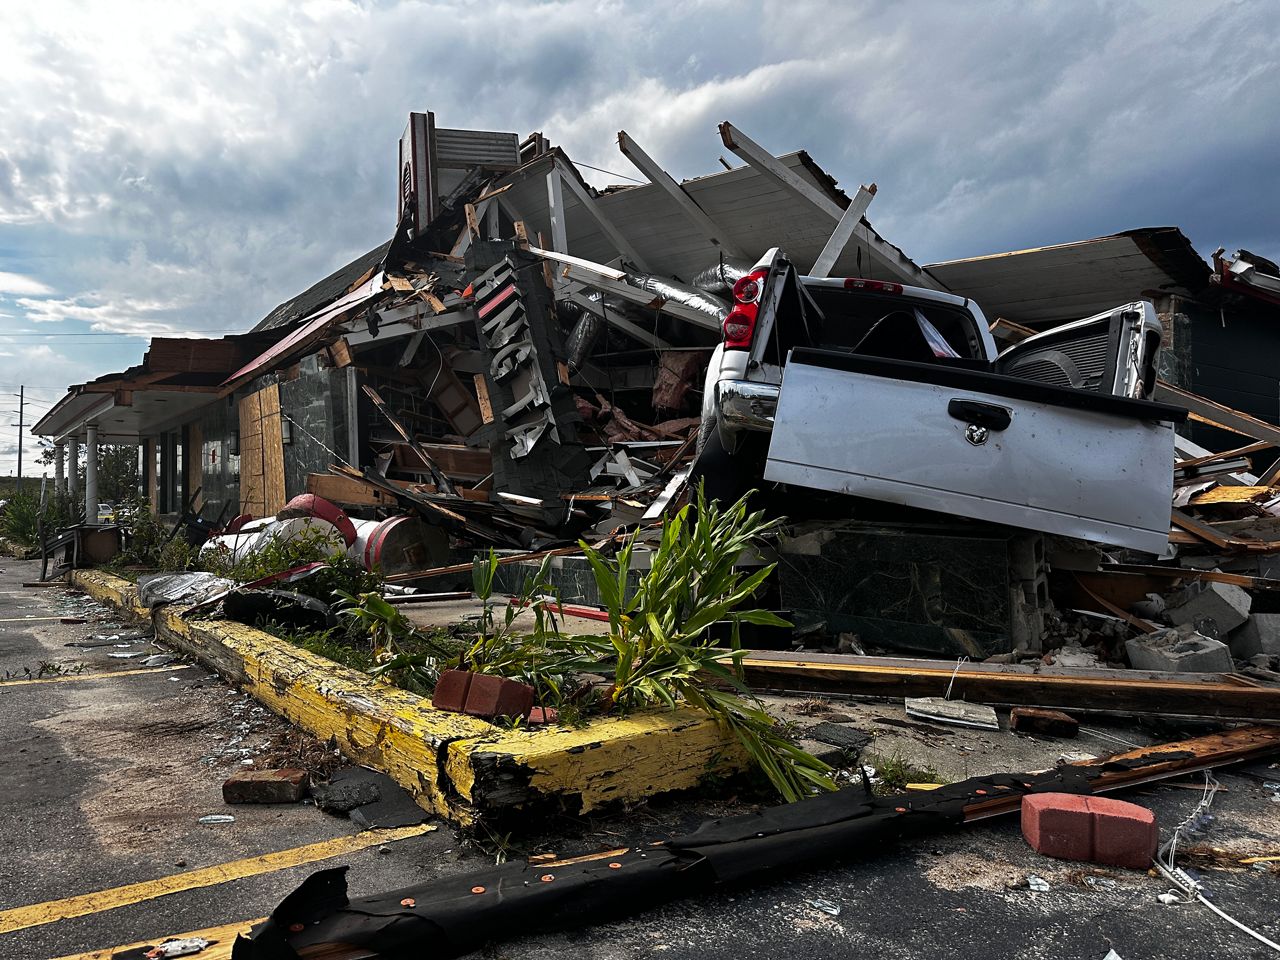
[659, 634]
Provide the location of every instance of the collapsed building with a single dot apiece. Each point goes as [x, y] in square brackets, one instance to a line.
[523, 363]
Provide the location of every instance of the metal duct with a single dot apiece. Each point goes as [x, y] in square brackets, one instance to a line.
[691, 297]
[719, 278]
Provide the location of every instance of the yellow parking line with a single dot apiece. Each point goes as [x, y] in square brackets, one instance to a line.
[51, 911]
[221, 940]
[95, 676]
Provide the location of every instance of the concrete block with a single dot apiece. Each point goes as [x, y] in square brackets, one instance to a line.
[1090, 829]
[1261, 634]
[1179, 650]
[1053, 723]
[265, 786]
[1213, 608]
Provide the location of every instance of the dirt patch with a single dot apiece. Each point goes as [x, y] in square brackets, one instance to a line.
[966, 870]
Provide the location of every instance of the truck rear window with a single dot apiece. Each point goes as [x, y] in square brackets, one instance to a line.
[885, 325]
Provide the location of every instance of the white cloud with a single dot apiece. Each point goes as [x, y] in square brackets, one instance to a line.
[20, 284]
[133, 317]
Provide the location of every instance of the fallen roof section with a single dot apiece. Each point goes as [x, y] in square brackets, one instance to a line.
[1072, 280]
[323, 291]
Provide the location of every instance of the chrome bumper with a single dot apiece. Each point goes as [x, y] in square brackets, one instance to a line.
[746, 404]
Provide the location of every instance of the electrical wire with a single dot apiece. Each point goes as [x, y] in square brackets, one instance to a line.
[1190, 889]
[612, 173]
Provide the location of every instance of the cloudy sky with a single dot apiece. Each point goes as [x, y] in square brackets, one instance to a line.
[185, 167]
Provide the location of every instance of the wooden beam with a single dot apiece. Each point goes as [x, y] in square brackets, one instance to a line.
[688, 206]
[1214, 414]
[1223, 541]
[1121, 692]
[764, 162]
[620, 243]
[1186, 573]
[835, 244]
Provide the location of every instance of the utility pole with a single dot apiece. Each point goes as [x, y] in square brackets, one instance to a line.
[22, 402]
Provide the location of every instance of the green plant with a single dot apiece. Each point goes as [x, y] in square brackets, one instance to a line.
[22, 518]
[399, 652]
[544, 658]
[659, 635]
[896, 771]
[310, 545]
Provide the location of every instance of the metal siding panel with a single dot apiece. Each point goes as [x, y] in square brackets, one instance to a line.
[477, 148]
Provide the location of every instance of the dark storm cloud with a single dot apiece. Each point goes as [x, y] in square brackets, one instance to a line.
[188, 167]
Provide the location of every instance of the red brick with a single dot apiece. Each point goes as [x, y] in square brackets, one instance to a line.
[498, 697]
[541, 715]
[1053, 723]
[266, 786]
[451, 690]
[1092, 829]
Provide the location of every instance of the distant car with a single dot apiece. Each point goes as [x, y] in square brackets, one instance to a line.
[106, 513]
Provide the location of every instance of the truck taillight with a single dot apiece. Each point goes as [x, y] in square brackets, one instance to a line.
[740, 324]
[871, 286]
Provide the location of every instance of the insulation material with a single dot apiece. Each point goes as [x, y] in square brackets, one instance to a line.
[678, 372]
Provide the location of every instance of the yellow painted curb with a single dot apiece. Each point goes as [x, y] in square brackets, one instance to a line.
[457, 766]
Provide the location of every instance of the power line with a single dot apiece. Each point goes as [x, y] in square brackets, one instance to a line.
[128, 336]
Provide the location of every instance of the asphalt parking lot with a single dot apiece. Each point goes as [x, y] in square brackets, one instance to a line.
[110, 765]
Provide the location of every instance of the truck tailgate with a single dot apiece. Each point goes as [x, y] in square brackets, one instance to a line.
[976, 444]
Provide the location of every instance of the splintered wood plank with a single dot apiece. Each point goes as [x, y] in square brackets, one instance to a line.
[1234, 494]
[1091, 691]
[482, 395]
[272, 446]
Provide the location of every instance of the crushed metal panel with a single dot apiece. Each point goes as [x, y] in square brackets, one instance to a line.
[533, 435]
[312, 326]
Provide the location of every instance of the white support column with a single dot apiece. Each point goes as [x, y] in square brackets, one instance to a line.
[73, 467]
[91, 474]
[59, 476]
[555, 207]
[835, 245]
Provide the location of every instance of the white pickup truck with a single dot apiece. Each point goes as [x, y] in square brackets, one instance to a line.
[898, 394]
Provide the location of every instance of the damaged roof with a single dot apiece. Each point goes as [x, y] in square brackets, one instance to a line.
[324, 291]
[753, 211]
[1073, 280]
